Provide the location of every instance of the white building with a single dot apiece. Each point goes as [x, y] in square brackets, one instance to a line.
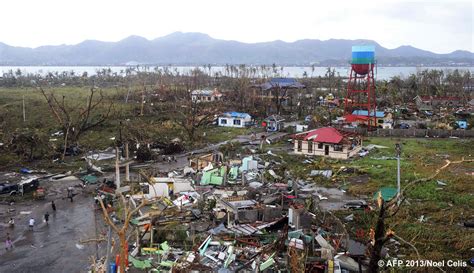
[206, 95]
[165, 186]
[235, 119]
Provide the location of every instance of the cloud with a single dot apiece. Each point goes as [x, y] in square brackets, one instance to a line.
[440, 26]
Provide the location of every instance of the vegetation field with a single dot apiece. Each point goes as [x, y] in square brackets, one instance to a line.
[433, 215]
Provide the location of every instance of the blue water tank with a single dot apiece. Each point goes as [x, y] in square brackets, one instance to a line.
[363, 55]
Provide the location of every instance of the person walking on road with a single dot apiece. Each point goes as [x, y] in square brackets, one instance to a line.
[11, 223]
[31, 223]
[69, 193]
[53, 206]
[8, 242]
[46, 217]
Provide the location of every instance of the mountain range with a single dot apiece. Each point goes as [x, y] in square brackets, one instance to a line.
[180, 48]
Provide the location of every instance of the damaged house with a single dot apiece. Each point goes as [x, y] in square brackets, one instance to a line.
[427, 103]
[273, 123]
[329, 142]
[384, 119]
[206, 95]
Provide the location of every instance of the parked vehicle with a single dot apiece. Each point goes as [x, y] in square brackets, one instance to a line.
[25, 186]
[9, 189]
[356, 204]
[404, 126]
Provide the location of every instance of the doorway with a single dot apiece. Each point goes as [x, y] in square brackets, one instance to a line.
[326, 149]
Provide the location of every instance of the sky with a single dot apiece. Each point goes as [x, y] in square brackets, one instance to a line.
[440, 26]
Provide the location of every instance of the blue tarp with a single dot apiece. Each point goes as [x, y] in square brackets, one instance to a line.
[378, 114]
[236, 115]
[25, 170]
[462, 124]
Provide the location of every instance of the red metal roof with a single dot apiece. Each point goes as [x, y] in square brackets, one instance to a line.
[325, 134]
[353, 118]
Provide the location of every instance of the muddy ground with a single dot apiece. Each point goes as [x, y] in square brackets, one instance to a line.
[52, 247]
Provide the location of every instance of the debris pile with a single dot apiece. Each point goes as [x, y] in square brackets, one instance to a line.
[240, 214]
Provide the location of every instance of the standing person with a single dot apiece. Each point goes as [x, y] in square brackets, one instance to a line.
[69, 193]
[46, 217]
[53, 205]
[8, 242]
[31, 223]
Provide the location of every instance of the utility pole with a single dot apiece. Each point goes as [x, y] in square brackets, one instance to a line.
[127, 166]
[117, 167]
[398, 150]
[24, 110]
[109, 241]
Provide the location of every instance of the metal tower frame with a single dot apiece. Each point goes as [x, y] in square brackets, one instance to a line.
[361, 94]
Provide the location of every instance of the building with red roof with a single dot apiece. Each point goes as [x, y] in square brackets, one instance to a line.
[329, 142]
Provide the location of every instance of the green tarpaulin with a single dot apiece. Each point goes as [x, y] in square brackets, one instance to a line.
[269, 262]
[167, 264]
[139, 264]
[90, 179]
[387, 193]
[213, 177]
[165, 246]
[234, 172]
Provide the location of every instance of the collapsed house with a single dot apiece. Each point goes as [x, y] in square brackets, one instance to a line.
[200, 162]
[165, 187]
[428, 102]
[241, 214]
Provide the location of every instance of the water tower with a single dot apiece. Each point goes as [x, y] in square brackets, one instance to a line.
[361, 86]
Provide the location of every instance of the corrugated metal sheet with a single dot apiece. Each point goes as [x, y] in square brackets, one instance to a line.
[244, 230]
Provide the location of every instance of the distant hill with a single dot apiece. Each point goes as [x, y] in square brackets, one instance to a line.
[196, 49]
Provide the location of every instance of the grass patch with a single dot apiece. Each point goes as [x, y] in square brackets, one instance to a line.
[441, 235]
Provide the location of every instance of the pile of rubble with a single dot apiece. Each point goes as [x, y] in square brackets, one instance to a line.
[241, 214]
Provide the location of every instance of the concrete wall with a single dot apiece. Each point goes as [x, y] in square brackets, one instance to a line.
[248, 216]
[414, 132]
[230, 122]
[344, 154]
[271, 214]
[253, 215]
[204, 98]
